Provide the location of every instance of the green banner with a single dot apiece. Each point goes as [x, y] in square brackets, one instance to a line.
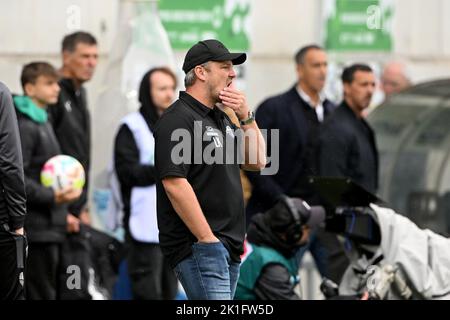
[358, 25]
[188, 22]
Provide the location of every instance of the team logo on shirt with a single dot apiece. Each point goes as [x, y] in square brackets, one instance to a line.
[230, 131]
[210, 132]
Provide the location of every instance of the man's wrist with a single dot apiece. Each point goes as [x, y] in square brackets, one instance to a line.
[207, 238]
[247, 119]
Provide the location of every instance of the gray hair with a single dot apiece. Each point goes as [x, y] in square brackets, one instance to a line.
[70, 41]
[400, 65]
[190, 77]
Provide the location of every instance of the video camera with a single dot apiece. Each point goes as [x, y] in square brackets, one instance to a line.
[347, 205]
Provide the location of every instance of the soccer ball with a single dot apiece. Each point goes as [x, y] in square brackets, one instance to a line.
[61, 171]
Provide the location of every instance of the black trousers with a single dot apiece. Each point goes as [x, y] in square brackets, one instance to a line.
[151, 276]
[42, 272]
[12, 262]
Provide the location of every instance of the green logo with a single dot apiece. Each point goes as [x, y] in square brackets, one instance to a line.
[359, 25]
[188, 22]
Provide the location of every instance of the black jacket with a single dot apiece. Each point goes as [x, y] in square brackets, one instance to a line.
[12, 185]
[71, 122]
[298, 127]
[348, 149]
[274, 281]
[130, 172]
[46, 221]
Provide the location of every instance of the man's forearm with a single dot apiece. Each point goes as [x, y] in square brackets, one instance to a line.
[254, 148]
[254, 144]
[185, 203]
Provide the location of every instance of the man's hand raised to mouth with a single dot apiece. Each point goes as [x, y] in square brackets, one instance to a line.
[235, 100]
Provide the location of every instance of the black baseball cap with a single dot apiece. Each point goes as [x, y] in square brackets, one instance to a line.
[313, 216]
[210, 50]
[280, 217]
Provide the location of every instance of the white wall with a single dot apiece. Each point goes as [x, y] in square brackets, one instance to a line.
[33, 30]
[276, 35]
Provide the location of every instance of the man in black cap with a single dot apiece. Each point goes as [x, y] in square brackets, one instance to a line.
[200, 203]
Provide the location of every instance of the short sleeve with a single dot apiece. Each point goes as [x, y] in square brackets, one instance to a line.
[173, 145]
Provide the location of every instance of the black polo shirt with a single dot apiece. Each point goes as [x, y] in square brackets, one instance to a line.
[209, 162]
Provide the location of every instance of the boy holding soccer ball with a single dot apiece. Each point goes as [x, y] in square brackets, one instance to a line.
[47, 208]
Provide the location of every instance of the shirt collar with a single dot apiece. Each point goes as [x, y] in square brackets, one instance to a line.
[199, 107]
[307, 99]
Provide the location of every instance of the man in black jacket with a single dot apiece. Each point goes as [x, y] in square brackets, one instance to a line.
[347, 143]
[12, 202]
[70, 117]
[298, 115]
[46, 223]
[151, 276]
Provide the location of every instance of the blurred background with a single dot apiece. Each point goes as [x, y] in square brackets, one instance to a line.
[133, 35]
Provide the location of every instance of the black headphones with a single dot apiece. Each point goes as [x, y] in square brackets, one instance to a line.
[293, 231]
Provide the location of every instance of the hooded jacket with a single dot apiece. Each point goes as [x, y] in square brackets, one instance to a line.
[273, 257]
[46, 221]
[12, 185]
[130, 172]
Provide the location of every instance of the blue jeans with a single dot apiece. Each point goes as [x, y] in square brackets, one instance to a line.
[208, 273]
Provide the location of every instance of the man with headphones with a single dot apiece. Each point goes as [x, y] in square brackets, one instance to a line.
[269, 268]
